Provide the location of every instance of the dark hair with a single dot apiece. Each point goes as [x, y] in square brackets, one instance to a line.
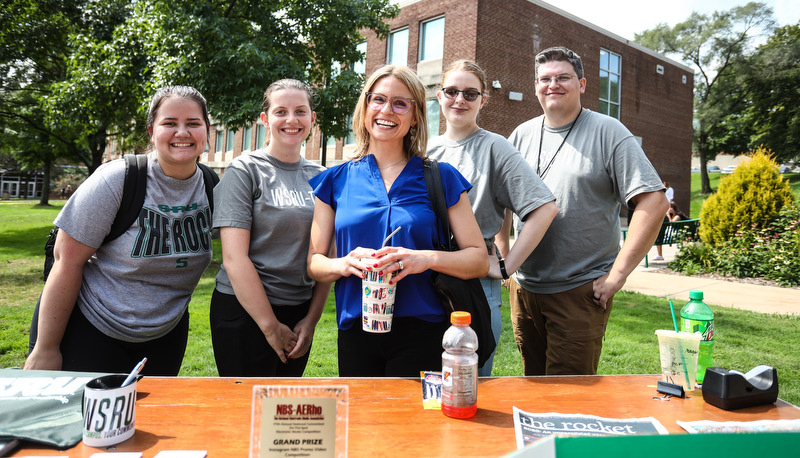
[287, 83]
[470, 67]
[183, 92]
[559, 53]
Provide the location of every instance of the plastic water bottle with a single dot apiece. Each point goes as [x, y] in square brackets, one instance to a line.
[460, 368]
[697, 316]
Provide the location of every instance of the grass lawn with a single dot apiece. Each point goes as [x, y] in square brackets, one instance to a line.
[744, 339]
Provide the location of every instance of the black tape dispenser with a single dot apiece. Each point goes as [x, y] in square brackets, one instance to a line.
[731, 390]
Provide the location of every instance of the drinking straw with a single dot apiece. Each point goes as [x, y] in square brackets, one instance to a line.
[672, 310]
[680, 347]
[390, 236]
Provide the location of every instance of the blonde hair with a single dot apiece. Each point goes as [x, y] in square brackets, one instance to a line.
[416, 139]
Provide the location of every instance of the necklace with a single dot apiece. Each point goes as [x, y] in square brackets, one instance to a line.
[286, 173]
[390, 165]
[542, 173]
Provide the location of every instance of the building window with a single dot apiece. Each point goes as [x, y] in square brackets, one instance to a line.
[431, 43]
[610, 72]
[229, 140]
[218, 142]
[247, 143]
[261, 135]
[350, 139]
[397, 51]
[433, 117]
[361, 66]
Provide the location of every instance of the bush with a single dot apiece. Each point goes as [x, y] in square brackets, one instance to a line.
[772, 252]
[750, 198]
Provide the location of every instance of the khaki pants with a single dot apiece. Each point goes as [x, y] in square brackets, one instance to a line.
[558, 334]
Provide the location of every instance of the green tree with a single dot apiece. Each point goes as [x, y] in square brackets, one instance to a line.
[230, 51]
[715, 45]
[28, 62]
[92, 64]
[771, 81]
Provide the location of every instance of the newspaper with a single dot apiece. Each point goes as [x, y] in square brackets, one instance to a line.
[528, 427]
[759, 426]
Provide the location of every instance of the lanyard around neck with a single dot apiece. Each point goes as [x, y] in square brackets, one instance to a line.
[542, 173]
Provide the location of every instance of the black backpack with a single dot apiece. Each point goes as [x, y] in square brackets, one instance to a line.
[132, 201]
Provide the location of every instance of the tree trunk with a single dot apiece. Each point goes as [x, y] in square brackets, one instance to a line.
[97, 146]
[45, 200]
[702, 151]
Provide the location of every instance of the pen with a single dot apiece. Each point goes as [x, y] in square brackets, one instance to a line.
[134, 373]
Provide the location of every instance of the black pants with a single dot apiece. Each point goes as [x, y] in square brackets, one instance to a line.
[413, 345]
[85, 349]
[241, 349]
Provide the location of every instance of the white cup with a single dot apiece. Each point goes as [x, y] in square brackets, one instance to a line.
[377, 301]
[109, 411]
[679, 351]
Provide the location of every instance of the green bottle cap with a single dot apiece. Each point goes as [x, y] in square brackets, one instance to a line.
[696, 295]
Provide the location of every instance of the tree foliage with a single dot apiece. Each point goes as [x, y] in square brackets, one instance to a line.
[82, 71]
[715, 46]
[771, 84]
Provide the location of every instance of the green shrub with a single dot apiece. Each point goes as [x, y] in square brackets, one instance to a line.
[772, 252]
[750, 198]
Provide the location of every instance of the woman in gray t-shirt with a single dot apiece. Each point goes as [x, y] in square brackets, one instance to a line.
[265, 307]
[501, 180]
[106, 306]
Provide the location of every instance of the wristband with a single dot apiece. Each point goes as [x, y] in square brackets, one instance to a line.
[503, 269]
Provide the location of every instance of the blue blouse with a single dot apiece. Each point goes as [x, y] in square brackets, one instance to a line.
[365, 214]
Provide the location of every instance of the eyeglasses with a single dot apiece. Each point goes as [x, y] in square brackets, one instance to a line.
[560, 79]
[470, 95]
[400, 105]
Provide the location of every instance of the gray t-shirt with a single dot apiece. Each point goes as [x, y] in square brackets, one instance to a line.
[599, 168]
[274, 201]
[137, 287]
[500, 177]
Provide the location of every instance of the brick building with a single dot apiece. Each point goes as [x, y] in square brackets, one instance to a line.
[651, 94]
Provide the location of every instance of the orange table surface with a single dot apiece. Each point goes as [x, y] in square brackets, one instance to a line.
[386, 417]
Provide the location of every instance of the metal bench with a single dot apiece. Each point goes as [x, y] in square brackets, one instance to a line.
[672, 232]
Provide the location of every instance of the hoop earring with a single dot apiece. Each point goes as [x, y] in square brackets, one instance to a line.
[413, 131]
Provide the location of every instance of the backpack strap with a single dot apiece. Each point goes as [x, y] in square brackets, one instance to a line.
[210, 178]
[133, 193]
[433, 180]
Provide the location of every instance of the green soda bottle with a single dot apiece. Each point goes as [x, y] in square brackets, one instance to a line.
[697, 316]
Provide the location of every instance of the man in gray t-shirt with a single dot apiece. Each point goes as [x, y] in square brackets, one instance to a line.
[562, 295]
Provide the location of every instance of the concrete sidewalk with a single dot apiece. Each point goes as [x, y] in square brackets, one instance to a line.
[763, 299]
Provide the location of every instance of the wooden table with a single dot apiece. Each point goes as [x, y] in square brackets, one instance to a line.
[387, 418]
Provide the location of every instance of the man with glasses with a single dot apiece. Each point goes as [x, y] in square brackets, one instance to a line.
[561, 296]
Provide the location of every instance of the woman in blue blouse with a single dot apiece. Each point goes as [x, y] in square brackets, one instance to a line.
[359, 203]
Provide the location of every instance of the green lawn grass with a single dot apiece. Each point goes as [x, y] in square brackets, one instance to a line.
[744, 339]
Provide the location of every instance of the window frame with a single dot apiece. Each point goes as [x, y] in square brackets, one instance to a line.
[390, 43]
[218, 141]
[247, 134]
[360, 67]
[230, 135]
[609, 79]
[423, 38]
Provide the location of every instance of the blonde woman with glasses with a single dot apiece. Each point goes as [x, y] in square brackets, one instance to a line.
[361, 202]
[502, 182]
